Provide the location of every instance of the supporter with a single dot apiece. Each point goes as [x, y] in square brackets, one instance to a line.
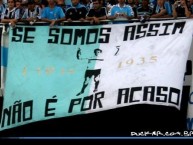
[133, 6]
[76, 11]
[121, 11]
[162, 9]
[144, 11]
[20, 8]
[97, 13]
[180, 9]
[2, 7]
[10, 15]
[32, 13]
[52, 14]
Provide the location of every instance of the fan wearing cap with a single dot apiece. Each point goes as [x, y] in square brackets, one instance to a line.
[32, 13]
[53, 14]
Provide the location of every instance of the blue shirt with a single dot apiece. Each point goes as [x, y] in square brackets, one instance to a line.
[125, 9]
[53, 14]
[2, 8]
[167, 7]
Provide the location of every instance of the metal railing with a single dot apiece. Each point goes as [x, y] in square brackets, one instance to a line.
[64, 23]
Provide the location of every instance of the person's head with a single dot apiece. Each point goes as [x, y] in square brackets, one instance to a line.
[51, 2]
[145, 3]
[136, 2]
[18, 3]
[97, 51]
[31, 5]
[121, 1]
[11, 3]
[75, 2]
[61, 2]
[96, 4]
[130, 1]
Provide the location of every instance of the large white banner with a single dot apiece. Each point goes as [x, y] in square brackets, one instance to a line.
[93, 68]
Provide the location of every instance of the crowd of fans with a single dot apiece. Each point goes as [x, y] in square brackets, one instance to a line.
[55, 11]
